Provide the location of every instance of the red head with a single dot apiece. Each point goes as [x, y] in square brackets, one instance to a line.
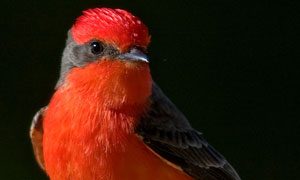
[115, 26]
[105, 54]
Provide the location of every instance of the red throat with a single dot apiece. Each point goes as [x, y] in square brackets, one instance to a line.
[95, 110]
[117, 84]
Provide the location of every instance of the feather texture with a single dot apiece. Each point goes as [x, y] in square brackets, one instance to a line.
[167, 131]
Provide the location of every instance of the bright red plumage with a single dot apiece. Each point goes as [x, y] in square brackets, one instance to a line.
[114, 26]
[89, 116]
[89, 126]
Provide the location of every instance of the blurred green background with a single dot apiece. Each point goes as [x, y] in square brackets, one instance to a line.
[230, 66]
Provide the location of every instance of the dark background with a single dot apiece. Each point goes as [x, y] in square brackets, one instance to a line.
[231, 67]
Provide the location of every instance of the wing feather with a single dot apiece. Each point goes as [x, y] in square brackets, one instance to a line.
[167, 131]
[36, 136]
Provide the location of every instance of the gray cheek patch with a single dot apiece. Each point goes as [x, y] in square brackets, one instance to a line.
[83, 55]
[75, 55]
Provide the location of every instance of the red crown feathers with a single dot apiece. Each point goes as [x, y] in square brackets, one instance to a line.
[115, 26]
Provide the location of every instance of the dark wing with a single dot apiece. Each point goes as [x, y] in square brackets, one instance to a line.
[36, 136]
[167, 131]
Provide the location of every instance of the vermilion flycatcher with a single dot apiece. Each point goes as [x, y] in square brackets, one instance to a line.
[108, 120]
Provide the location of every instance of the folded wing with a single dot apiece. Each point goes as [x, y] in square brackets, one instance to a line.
[167, 131]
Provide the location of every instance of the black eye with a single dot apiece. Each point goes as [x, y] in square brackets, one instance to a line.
[96, 47]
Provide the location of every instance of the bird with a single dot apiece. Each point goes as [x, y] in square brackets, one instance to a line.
[109, 120]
